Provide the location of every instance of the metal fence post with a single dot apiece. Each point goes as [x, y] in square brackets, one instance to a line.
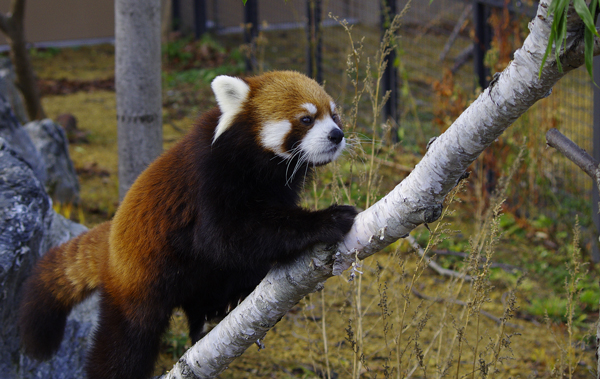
[596, 155]
[314, 52]
[176, 15]
[390, 75]
[483, 36]
[251, 32]
[199, 18]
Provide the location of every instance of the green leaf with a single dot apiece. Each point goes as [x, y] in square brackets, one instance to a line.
[561, 31]
[583, 12]
[558, 31]
[551, 39]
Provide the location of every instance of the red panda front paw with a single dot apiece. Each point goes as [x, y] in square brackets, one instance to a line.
[343, 219]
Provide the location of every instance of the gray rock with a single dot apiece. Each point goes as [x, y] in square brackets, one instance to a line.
[51, 142]
[10, 91]
[19, 140]
[28, 227]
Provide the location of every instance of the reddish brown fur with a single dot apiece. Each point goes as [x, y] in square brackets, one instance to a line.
[165, 195]
[198, 229]
[73, 271]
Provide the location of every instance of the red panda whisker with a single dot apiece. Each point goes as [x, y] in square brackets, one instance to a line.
[301, 159]
[295, 152]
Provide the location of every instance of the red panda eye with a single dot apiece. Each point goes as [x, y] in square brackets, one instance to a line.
[306, 120]
[335, 117]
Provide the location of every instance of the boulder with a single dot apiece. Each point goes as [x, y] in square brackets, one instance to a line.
[28, 228]
[10, 91]
[19, 140]
[51, 142]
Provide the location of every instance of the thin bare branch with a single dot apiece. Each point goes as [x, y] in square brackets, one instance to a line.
[496, 319]
[573, 152]
[433, 265]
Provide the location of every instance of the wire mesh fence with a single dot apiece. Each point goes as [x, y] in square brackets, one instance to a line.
[435, 42]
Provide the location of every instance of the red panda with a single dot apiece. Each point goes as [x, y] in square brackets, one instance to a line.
[199, 228]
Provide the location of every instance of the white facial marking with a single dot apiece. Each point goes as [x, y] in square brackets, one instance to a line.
[317, 146]
[230, 93]
[272, 136]
[333, 107]
[310, 107]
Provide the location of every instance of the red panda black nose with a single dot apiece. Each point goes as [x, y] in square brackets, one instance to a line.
[335, 136]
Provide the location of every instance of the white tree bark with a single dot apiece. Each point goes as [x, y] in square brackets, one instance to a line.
[138, 87]
[418, 199]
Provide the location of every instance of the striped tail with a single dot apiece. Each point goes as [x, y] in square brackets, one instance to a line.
[62, 278]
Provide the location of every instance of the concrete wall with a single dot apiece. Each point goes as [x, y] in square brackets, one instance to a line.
[66, 20]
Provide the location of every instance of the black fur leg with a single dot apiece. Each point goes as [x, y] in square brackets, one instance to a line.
[343, 218]
[122, 348]
[196, 316]
[330, 225]
[42, 320]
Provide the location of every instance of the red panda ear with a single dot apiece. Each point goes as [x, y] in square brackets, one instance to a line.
[230, 93]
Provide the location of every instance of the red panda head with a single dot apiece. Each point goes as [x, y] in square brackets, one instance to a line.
[292, 115]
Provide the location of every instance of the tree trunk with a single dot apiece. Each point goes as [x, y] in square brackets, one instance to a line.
[12, 25]
[418, 199]
[138, 87]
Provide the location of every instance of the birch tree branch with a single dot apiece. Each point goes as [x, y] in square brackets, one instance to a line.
[416, 200]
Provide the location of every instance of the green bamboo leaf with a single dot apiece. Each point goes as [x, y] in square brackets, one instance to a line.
[551, 39]
[583, 12]
[561, 34]
[558, 31]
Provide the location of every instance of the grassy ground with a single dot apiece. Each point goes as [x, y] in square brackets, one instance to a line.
[397, 318]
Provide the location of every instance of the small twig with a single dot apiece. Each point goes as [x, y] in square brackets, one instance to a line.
[462, 58]
[497, 320]
[457, 29]
[433, 265]
[393, 165]
[574, 153]
[504, 266]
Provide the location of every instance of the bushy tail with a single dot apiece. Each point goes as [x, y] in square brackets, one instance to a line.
[62, 278]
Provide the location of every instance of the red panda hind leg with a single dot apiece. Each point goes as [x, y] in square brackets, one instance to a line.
[125, 348]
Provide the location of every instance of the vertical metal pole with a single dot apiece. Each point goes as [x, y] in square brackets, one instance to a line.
[595, 195]
[199, 18]
[215, 16]
[314, 54]
[251, 31]
[390, 75]
[483, 34]
[596, 155]
[176, 14]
